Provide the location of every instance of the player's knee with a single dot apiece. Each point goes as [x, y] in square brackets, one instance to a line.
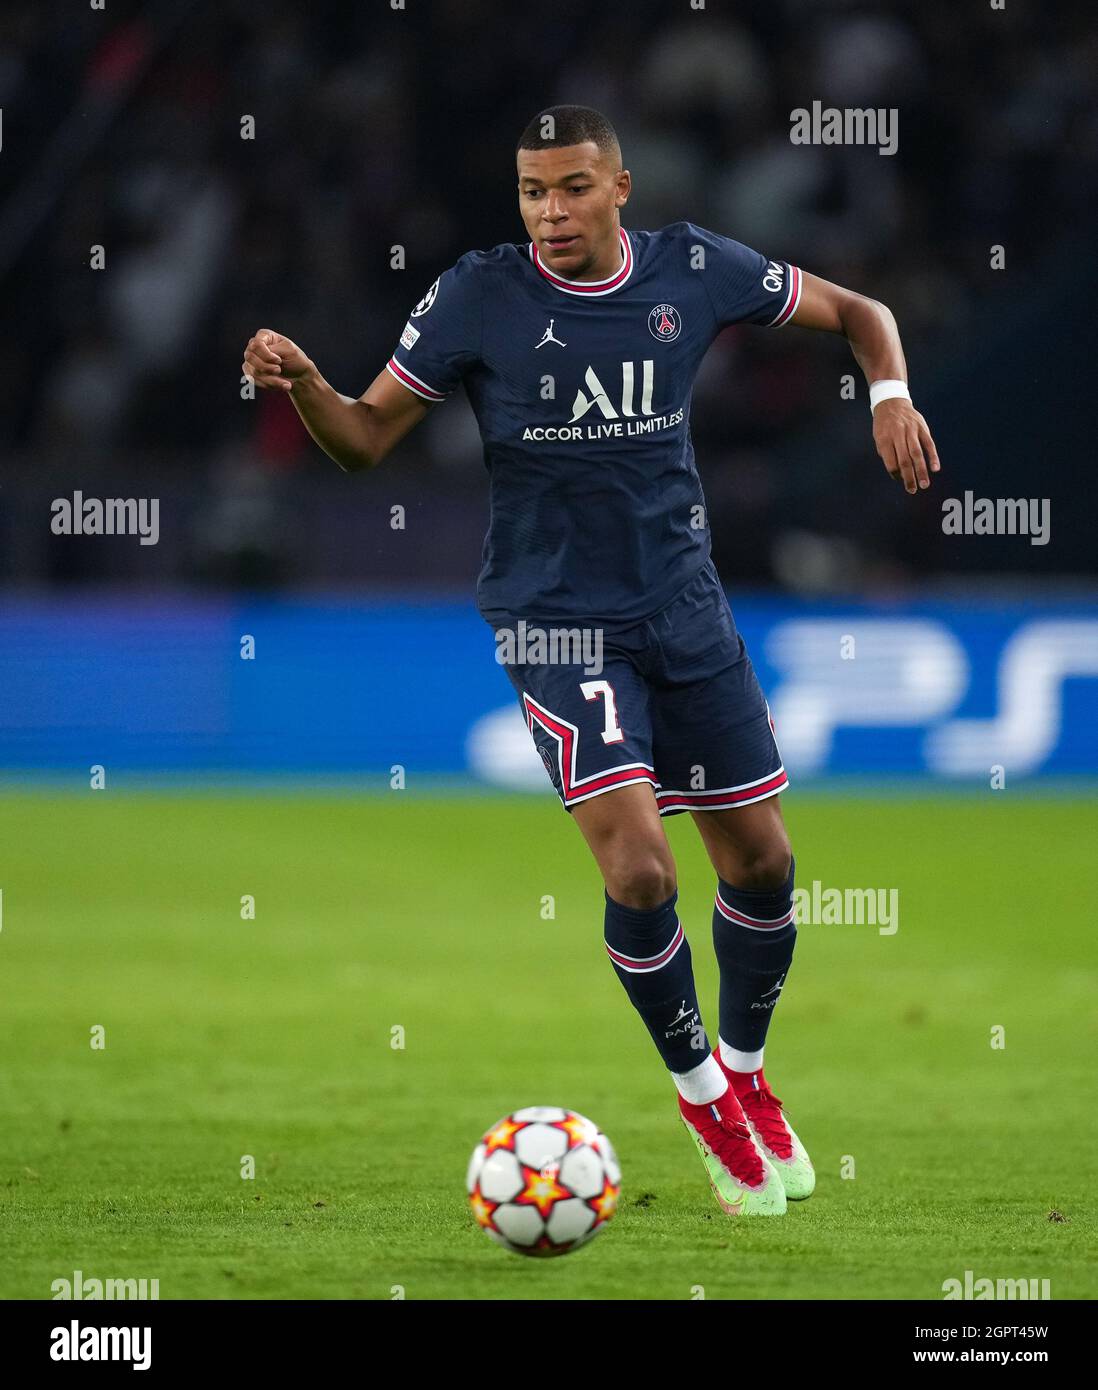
[765, 866]
[641, 879]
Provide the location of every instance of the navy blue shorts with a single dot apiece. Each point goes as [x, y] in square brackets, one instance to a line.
[675, 704]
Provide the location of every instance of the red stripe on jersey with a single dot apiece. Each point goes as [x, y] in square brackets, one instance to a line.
[609, 779]
[794, 298]
[413, 383]
[589, 286]
[706, 799]
[601, 781]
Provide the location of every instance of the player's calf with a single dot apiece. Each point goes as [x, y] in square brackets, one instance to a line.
[644, 938]
[754, 935]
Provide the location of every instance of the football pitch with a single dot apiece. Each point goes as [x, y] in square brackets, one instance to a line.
[419, 966]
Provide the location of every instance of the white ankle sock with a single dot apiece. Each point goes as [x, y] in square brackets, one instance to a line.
[702, 1085]
[740, 1061]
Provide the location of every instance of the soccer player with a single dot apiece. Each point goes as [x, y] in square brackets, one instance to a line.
[578, 351]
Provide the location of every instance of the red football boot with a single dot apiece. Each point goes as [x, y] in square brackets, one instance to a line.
[744, 1181]
[771, 1130]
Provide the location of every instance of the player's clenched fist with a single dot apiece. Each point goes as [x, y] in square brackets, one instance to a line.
[274, 362]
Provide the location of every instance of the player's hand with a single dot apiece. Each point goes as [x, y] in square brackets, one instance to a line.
[904, 443]
[273, 362]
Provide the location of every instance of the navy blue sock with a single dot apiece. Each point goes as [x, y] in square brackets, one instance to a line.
[650, 954]
[753, 937]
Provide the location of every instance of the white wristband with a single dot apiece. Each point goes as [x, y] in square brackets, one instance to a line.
[885, 390]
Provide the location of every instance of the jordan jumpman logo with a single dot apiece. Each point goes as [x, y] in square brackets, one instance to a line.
[549, 337]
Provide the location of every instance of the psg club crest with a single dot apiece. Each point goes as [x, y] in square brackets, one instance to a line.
[426, 302]
[550, 764]
[665, 323]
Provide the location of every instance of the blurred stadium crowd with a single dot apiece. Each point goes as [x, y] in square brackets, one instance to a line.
[377, 127]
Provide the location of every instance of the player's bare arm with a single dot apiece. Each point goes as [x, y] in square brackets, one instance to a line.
[900, 433]
[356, 434]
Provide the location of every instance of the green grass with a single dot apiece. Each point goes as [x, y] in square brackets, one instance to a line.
[272, 1038]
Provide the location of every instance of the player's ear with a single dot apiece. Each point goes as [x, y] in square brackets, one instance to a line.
[625, 187]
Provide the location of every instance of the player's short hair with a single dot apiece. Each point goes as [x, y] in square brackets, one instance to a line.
[569, 125]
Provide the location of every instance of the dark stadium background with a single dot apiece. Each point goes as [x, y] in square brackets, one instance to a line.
[377, 127]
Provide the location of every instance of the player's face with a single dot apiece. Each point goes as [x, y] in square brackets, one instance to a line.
[569, 197]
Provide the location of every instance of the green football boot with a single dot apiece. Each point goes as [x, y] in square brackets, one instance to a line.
[744, 1182]
[773, 1133]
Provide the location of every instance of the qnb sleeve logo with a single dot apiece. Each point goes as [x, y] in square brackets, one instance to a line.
[426, 302]
[774, 279]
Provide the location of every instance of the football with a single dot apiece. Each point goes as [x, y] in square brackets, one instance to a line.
[543, 1181]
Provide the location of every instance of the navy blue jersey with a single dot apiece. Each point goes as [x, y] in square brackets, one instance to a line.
[582, 393]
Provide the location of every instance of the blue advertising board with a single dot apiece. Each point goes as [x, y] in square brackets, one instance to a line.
[327, 687]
